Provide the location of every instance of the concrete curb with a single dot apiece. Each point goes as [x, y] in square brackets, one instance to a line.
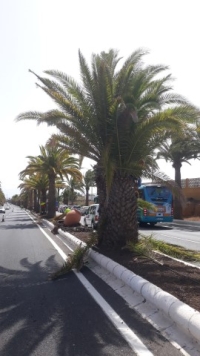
[187, 318]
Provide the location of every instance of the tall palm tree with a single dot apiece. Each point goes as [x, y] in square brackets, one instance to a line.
[115, 118]
[88, 181]
[37, 185]
[54, 162]
[73, 185]
[181, 147]
[2, 197]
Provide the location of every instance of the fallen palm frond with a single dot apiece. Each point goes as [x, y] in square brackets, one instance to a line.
[77, 259]
[58, 217]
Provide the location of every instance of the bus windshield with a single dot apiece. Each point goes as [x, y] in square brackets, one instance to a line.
[158, 193]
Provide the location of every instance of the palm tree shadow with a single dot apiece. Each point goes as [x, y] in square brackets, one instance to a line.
[45, 317]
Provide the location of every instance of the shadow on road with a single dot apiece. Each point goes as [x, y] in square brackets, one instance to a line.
[43, 317]
[4, 226]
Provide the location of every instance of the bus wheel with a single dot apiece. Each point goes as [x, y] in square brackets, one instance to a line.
[143, 224]
[152, 224]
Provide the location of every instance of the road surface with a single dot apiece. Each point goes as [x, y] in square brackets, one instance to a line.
[77, 315]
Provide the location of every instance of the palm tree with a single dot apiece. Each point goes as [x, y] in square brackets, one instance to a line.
[73, 185]
[37, 185]
[115, 118]
[15, 199]
[2, 197]
[54, 162]
[181, 147]
[88, 181]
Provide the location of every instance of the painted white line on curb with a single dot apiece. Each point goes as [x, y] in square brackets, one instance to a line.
[176, 259]
[134, 342]
[128, 278]
[157, 296]
[64, 243]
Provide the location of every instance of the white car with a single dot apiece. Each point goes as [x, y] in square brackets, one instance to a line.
[91, 217]
[84, 209]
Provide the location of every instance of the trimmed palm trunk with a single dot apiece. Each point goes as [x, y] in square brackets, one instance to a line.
[178, 209]
[30, 202]
[43, 198]
[36, 206]
[87, 196]
[121, 224]
[101, 192]
[52, 196]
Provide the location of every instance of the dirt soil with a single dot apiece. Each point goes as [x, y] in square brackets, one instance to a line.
[172, 276]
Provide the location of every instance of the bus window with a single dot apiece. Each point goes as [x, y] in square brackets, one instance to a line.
[161, 194]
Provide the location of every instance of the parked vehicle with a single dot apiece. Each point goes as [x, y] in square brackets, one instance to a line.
[91, 217]
[77, 207]
[83, 209]
[62, 208]
[162, 198]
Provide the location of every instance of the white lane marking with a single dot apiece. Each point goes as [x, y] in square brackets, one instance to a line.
[64, 243]
[63, 255]
[134, 342]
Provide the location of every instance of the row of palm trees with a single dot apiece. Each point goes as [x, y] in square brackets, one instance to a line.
[2, 196]
[48, 173]
[120, 115]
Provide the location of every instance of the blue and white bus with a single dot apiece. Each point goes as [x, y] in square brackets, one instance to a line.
[160, 196]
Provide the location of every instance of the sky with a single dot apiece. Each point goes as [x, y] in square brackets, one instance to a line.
[47, 34]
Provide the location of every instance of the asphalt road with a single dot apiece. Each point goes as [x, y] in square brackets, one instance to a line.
[76, 315]
[184, 235]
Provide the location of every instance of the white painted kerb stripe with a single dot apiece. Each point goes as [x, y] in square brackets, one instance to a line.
[134, 342]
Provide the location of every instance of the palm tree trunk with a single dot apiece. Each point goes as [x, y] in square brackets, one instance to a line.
[43, 200]
[87, 196]
[101, 192]
[51, 196]
[178, 209]
[30, 200]
[121, 224]
[35, 201]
